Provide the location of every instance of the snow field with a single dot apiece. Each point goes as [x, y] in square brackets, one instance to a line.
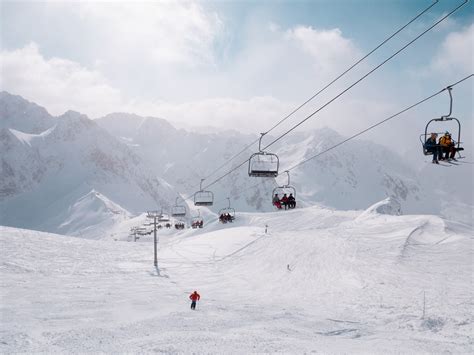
[355, 284]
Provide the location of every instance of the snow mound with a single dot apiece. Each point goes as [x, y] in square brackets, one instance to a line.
[389, 206]
[92, 214]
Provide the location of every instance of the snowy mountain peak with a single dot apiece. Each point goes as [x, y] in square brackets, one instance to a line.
[91, 214]
[64, 168]
[74, 126]
[133, 127]
[22, 115]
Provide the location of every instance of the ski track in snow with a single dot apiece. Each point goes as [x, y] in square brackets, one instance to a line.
[355, 285]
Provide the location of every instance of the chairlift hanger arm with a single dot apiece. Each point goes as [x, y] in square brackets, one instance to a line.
[260, 143]
[446, 117]
[449, 88]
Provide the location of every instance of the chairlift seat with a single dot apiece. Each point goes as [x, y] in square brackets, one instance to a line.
[163, 218]
[178, 211]
[203, 198]
[263, 164]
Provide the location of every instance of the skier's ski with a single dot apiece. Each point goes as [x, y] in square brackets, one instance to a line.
[440, 164]
[452, 163]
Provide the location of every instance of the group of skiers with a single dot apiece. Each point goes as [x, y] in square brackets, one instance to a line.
[444, 149]
[286, 202]
[179, 225]
[226, 217]
[197, 224]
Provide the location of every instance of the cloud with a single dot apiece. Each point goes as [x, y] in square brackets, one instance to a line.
[455, 53]
[58, 84]
[273, 73]
[245, 97]
[287, 64]
[61, 85]
[248, 115]
[328, 48]
[179, 33]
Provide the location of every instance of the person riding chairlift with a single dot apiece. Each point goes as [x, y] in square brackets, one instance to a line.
[198, 224]
[432, 147]
[276, 201]
[225, 217]
[284, 201]
[291, 201]
[447, 146]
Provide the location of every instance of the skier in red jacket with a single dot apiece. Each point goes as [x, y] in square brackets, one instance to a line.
[194, 297]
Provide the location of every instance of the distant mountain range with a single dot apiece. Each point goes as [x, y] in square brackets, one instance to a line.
[72, 175]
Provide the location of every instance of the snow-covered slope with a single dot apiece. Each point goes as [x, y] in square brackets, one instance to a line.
[22, 166]
[320, 281]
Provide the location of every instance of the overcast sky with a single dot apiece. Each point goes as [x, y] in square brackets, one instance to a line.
[236, 64]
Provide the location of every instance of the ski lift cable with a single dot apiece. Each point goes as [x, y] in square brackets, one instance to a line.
[352, 66]
[362, 132]
[249, 188]
[232, 158]
[325, 87]
[366, 75]
[345, 90]
[379, 123]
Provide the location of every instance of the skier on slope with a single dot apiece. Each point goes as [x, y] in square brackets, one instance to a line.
[194, 297]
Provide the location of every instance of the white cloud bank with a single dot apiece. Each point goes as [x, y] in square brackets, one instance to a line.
[167, 32]
[328, 48]
[172, 44]
[58, 84]
[455, 54]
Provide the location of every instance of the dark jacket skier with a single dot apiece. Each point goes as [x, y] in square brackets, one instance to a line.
[432, 147]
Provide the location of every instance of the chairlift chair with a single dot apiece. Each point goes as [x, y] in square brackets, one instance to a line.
[142, 231]
[197, 221]
[203, 198]
[263, 164]
[163, 217]
[424, 136]
[179, 225]
[228, 210]
[178, 210]
[285, 189]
